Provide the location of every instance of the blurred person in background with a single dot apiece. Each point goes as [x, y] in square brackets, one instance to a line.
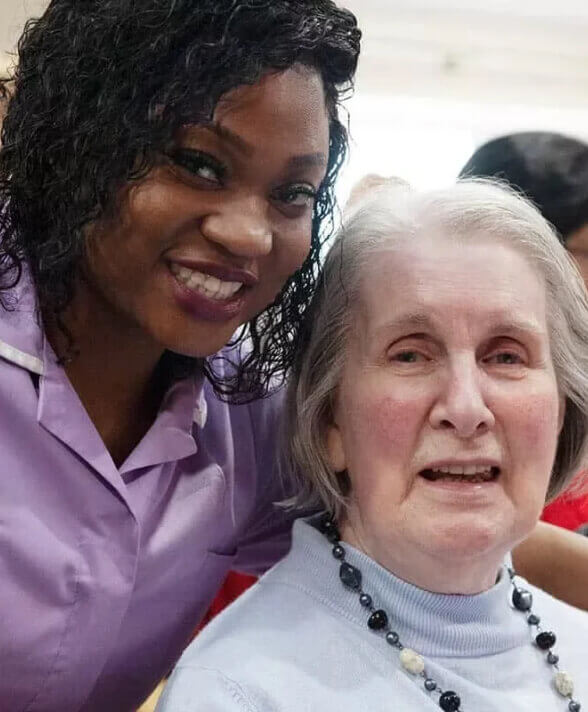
[552, 171]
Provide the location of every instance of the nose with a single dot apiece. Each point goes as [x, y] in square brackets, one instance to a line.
[461, 405]
[240, 225]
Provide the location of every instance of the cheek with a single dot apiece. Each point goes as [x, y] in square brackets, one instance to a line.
[116, 265]
[383, 426]
[130, 236]
[156, 204]
[537, 420]
[379, 440]
[293, 246]
[289, 252]
[534, 424]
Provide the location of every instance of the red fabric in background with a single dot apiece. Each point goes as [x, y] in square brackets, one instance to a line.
[570, 510]
[235, 584]
[567, 512]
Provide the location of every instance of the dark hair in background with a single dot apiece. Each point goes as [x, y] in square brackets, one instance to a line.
[550, 169]
[100, 90]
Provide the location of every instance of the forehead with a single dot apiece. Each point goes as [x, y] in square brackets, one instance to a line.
[289, 105]
[438, 280]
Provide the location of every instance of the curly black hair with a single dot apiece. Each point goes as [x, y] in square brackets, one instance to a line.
[549, 168]
[101, 88]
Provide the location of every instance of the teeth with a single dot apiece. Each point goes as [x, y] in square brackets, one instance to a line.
[473, 478]
[193, 280]
[463, 470]
[459, 473]
[206, 284]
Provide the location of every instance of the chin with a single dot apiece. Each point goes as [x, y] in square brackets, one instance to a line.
[198, 341]
[201, 351]
[467, 540]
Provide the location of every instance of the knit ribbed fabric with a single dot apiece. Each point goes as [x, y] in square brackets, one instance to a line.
[298, 642]
[432, 623]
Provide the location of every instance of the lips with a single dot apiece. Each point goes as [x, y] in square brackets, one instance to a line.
[205, 296]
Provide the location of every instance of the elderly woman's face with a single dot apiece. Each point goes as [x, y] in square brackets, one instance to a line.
[448, 411]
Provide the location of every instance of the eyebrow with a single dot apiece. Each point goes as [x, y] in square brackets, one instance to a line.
[498, 324]
[305, 160]
[416, 321]
[308, 160]
[517, 326]
[229, 136]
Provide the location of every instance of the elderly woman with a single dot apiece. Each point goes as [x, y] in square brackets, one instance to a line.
[439, 398]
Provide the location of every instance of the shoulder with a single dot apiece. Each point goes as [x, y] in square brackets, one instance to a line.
[244, 436]
[274, 638]
[243, 439]
[204, 688]
[249, 635]
[281, 646]
[258, 418]
[262, 412]
[241, 661]
[21, 336]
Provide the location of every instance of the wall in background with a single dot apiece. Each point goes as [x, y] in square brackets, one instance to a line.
[438, 77]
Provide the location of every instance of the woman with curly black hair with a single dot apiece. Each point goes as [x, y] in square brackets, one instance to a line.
[166, 168]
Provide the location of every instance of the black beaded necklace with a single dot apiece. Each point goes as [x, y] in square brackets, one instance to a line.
[378, 621]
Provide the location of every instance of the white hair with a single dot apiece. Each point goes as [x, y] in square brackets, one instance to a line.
[390, 215]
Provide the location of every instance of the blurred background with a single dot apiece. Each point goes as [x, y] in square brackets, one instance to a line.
[439, 77]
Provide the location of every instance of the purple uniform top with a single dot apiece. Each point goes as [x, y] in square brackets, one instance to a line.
[105, 571]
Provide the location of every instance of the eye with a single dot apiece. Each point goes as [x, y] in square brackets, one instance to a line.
[199, 164]
[407, 356]
[505, 358]
[300, 195]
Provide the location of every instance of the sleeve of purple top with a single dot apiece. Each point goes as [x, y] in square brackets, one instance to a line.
[267, 538]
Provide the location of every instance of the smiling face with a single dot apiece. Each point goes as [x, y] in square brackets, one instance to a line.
[448, 411]
[207, 239]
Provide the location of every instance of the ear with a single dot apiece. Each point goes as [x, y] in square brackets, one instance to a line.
[335, 450]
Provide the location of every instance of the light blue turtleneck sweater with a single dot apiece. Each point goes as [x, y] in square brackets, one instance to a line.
[298, 642]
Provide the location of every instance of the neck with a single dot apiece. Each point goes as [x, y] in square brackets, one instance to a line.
[113, 369]
[448, 574]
